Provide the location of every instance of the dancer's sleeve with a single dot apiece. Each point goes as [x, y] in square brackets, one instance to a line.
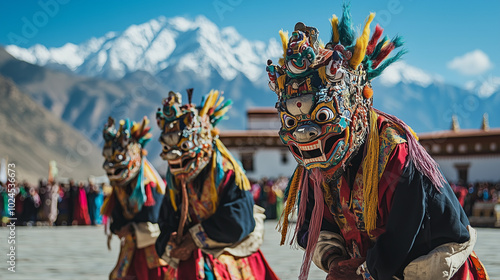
[168, 222]
[147, 213]
[413, 206]
[232, 221]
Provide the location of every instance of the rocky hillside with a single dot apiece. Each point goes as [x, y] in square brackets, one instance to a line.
[32, 136]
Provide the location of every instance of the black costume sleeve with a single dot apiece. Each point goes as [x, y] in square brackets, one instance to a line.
[147, 213]
[168, 222]
[233, 220]
[421, 218]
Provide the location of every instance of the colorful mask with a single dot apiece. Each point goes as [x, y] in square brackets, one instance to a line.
[188, 132]
[324, 93]
[123, 149]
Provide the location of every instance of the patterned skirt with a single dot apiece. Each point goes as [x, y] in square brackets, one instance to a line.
[140, 264]
[472, 269]
[225, 267]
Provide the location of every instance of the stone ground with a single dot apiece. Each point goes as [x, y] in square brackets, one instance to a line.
[81, 253]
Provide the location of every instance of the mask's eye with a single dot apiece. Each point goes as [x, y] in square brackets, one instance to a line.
[187, 145]
[289, 121]
[166, 147]
[119, 157]
[107, 153]
[324, 114]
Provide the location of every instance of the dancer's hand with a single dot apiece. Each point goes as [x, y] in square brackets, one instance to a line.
[172, 243]
[124, 231]
[345, 270]
[184, 250]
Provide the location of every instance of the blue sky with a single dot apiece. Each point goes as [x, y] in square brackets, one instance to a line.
[456, 40]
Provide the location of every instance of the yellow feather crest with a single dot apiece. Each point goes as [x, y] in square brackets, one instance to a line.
[386, 43]
[134, 128]
[221, 98]
[221, 112]
[321, 44]
[361, 44]
[284, 43]
[334, 21]
[210, 102]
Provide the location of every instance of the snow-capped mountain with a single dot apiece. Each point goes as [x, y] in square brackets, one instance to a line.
[485, 87]
[197, 45]
[177, 53]
[401, 72]
[427, 103]
[126, 75]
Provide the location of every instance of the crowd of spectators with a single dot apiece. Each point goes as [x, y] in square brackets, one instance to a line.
[72, 203]
[268, 193]
[47, 203]
[476, 192]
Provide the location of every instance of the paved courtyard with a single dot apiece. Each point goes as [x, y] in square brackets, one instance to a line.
[81, 253]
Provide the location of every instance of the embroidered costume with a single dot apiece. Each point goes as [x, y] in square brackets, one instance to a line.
[210, 228]
[133, 206]
[372, 203]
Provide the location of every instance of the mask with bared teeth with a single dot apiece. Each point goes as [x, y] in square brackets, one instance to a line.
[324, 95]
[188, 132]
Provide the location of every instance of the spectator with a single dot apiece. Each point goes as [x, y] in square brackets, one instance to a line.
[81, 210]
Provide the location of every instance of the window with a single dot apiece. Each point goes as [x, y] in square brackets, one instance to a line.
[247, 161]
[462, 169]
[436, 148]
[478, 147]
[449, 148]
[284, 158]
[493, 146]
[462, 148]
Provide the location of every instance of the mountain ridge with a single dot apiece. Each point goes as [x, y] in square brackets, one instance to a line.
[198, 54]
[84, 95]
[154, 45]
[33, 136]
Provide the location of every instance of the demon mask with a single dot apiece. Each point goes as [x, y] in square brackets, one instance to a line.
[123, 149]
[188, 132]
[324, 93]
